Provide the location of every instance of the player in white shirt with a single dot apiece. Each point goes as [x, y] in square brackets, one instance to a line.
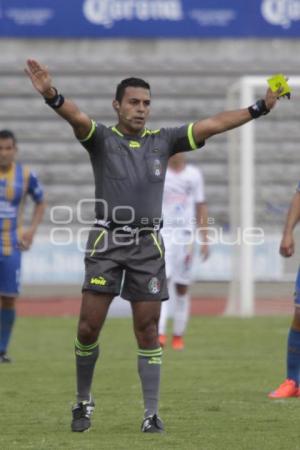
[184, 210]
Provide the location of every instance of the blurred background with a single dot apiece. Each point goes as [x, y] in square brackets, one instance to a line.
[191, 52]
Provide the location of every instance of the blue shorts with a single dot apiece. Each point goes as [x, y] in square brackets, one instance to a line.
[10, 274]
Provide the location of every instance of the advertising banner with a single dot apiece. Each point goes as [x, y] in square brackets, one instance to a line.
[62, 263]
[149, 18]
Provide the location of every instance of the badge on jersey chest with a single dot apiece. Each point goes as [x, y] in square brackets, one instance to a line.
[157, 168]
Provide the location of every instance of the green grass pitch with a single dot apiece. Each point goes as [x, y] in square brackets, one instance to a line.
[213, 394]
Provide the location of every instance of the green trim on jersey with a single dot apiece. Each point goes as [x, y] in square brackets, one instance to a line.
[191, 137]
[146, 131]
[91, 132]
[115, 130]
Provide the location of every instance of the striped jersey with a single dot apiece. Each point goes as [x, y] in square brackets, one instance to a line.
[15, 184]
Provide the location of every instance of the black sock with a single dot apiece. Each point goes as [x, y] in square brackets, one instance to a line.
[149, 362]
[86, 357]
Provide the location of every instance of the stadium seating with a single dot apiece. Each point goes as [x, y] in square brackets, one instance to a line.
[189, 80]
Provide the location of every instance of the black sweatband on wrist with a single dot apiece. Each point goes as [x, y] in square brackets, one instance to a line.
[258, 109]
[55, 102]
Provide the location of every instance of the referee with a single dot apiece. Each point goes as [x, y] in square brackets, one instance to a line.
[129, 163]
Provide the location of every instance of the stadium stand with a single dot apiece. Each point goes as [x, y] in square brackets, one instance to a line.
[195, 87]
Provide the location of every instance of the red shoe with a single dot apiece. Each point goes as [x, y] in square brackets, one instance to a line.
[287, 389]
[162, 340]
[177, 343]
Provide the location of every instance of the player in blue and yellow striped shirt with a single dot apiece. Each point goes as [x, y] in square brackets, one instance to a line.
[16, 181]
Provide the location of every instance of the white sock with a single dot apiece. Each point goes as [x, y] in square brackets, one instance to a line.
[164, 314]
[181, 314]
[165, 310]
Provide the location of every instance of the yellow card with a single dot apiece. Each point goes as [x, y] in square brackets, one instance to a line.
[279, 81]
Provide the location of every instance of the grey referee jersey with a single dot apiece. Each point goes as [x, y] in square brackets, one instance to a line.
[130, 171]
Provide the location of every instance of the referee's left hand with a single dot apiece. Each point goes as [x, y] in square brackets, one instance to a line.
[271, 98]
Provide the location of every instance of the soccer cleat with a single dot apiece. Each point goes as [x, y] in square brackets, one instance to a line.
[4, 359]
[82, 413]
[152, 424]
[162, 340]
[287, 389]
[177, 343]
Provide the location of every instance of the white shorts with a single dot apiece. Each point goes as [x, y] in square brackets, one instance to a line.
[178, 255]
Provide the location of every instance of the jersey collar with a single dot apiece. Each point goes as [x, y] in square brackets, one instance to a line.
[138, 136]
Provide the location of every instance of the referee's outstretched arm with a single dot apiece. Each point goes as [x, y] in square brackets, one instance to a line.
[82, 124]
[68, 110]
[227, 120]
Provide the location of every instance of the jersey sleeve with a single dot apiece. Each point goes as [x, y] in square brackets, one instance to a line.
[35, 189]
[181, 139]
[94, 139]
[199, 190]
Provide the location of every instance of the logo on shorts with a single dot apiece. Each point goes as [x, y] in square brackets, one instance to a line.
[154, 285]
[99, 281]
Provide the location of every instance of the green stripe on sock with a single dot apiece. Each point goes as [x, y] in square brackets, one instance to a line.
[85, 347]
[155, 360]
[150, 353]
[81, 353]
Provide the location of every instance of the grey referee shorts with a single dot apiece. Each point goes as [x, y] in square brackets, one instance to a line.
[140, 257]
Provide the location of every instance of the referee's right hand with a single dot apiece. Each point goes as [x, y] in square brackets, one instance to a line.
[40, 78]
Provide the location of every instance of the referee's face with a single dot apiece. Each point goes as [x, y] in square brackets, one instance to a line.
[7, 153]
[133, 110]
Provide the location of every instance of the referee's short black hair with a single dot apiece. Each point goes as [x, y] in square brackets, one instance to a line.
[130, 82]
[7, 134]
